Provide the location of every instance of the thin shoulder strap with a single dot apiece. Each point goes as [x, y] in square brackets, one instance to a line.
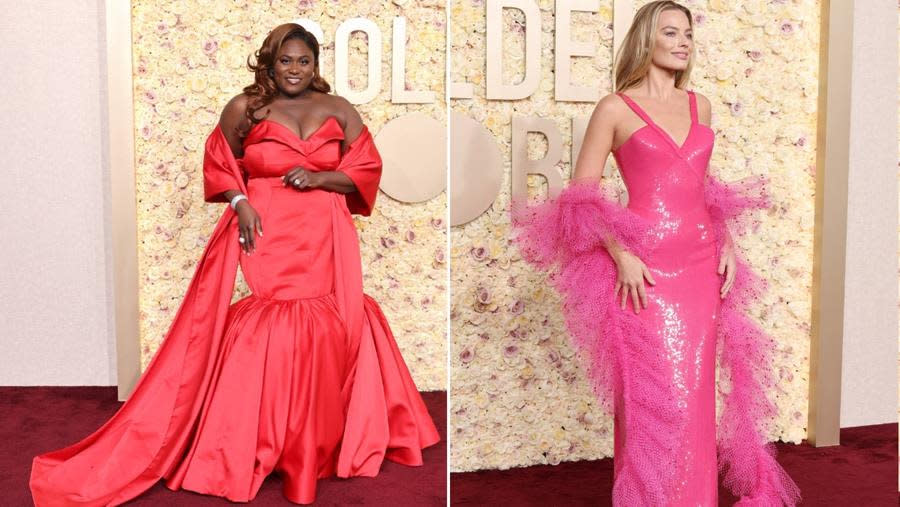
[636, 108]
[693, 101]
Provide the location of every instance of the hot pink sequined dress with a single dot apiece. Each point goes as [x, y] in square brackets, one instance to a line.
[655, 371]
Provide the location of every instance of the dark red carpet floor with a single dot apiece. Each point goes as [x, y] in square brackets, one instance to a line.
[34, 420]
[861, 472]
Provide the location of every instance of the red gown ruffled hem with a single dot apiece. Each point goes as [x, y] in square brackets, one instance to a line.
[309, 430]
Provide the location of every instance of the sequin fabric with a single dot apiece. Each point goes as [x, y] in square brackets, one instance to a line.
[655, 371]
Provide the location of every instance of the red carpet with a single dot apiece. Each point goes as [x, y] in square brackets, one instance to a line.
[39, 419]
[862, 471]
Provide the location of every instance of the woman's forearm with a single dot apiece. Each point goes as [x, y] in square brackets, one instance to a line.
[334, 181]
[613, 247]
[729, 241]
[229, 194]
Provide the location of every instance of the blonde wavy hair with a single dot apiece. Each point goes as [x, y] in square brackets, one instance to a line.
[634, 56]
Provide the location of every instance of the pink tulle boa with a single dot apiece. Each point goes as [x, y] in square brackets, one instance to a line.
[746, 458]
[565, 236]
[729, 203]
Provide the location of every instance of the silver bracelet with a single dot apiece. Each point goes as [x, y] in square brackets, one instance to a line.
[235, 199]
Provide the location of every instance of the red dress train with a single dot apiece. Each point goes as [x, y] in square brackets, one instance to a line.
[302, 377]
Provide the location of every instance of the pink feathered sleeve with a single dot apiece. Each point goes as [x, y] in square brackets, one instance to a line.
[362, 164]
[566, 237]
[580, 219]
[730, 204]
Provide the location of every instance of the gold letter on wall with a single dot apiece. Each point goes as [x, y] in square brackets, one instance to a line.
[494, 71]
[399, 93]
[522, 166]
[566, 49]
[342, 63]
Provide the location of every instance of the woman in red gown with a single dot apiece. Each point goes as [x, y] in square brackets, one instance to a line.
[302, 377]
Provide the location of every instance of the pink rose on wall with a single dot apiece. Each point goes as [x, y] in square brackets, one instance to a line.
[483, 295]
[210, 47]
[788, 27]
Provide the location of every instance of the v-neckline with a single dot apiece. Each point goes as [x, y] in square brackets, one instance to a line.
[296, 135]
[652, 124]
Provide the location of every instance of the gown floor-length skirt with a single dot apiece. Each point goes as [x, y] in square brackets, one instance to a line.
[278, 394]
[655, 370]
[302, 377]
[681, 308]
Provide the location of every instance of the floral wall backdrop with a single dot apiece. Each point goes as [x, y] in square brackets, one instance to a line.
[189, 59]
[519, 395]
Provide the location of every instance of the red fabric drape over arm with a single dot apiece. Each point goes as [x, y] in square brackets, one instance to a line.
[143, 440]
[220, 171]
[362, 164]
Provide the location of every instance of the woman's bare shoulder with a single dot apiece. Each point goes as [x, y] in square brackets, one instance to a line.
[241, 99]
[608, 110]
[230, 122]
[345, 112]
[702, 101]
[236, 108]
[610, 103]
[339, 104]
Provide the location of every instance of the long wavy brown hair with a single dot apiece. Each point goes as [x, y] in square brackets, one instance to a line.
[635, 54]
[263, 90]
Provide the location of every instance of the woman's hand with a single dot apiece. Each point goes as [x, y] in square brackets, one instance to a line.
[727, 265]
[632, 272]
[301, 178]
[248, 222]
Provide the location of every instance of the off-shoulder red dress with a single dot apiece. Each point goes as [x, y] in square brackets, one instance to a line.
[302, 378]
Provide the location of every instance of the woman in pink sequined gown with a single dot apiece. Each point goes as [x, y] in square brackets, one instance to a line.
[653, 290]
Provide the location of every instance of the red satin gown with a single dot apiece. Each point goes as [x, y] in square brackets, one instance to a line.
[302, 377]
